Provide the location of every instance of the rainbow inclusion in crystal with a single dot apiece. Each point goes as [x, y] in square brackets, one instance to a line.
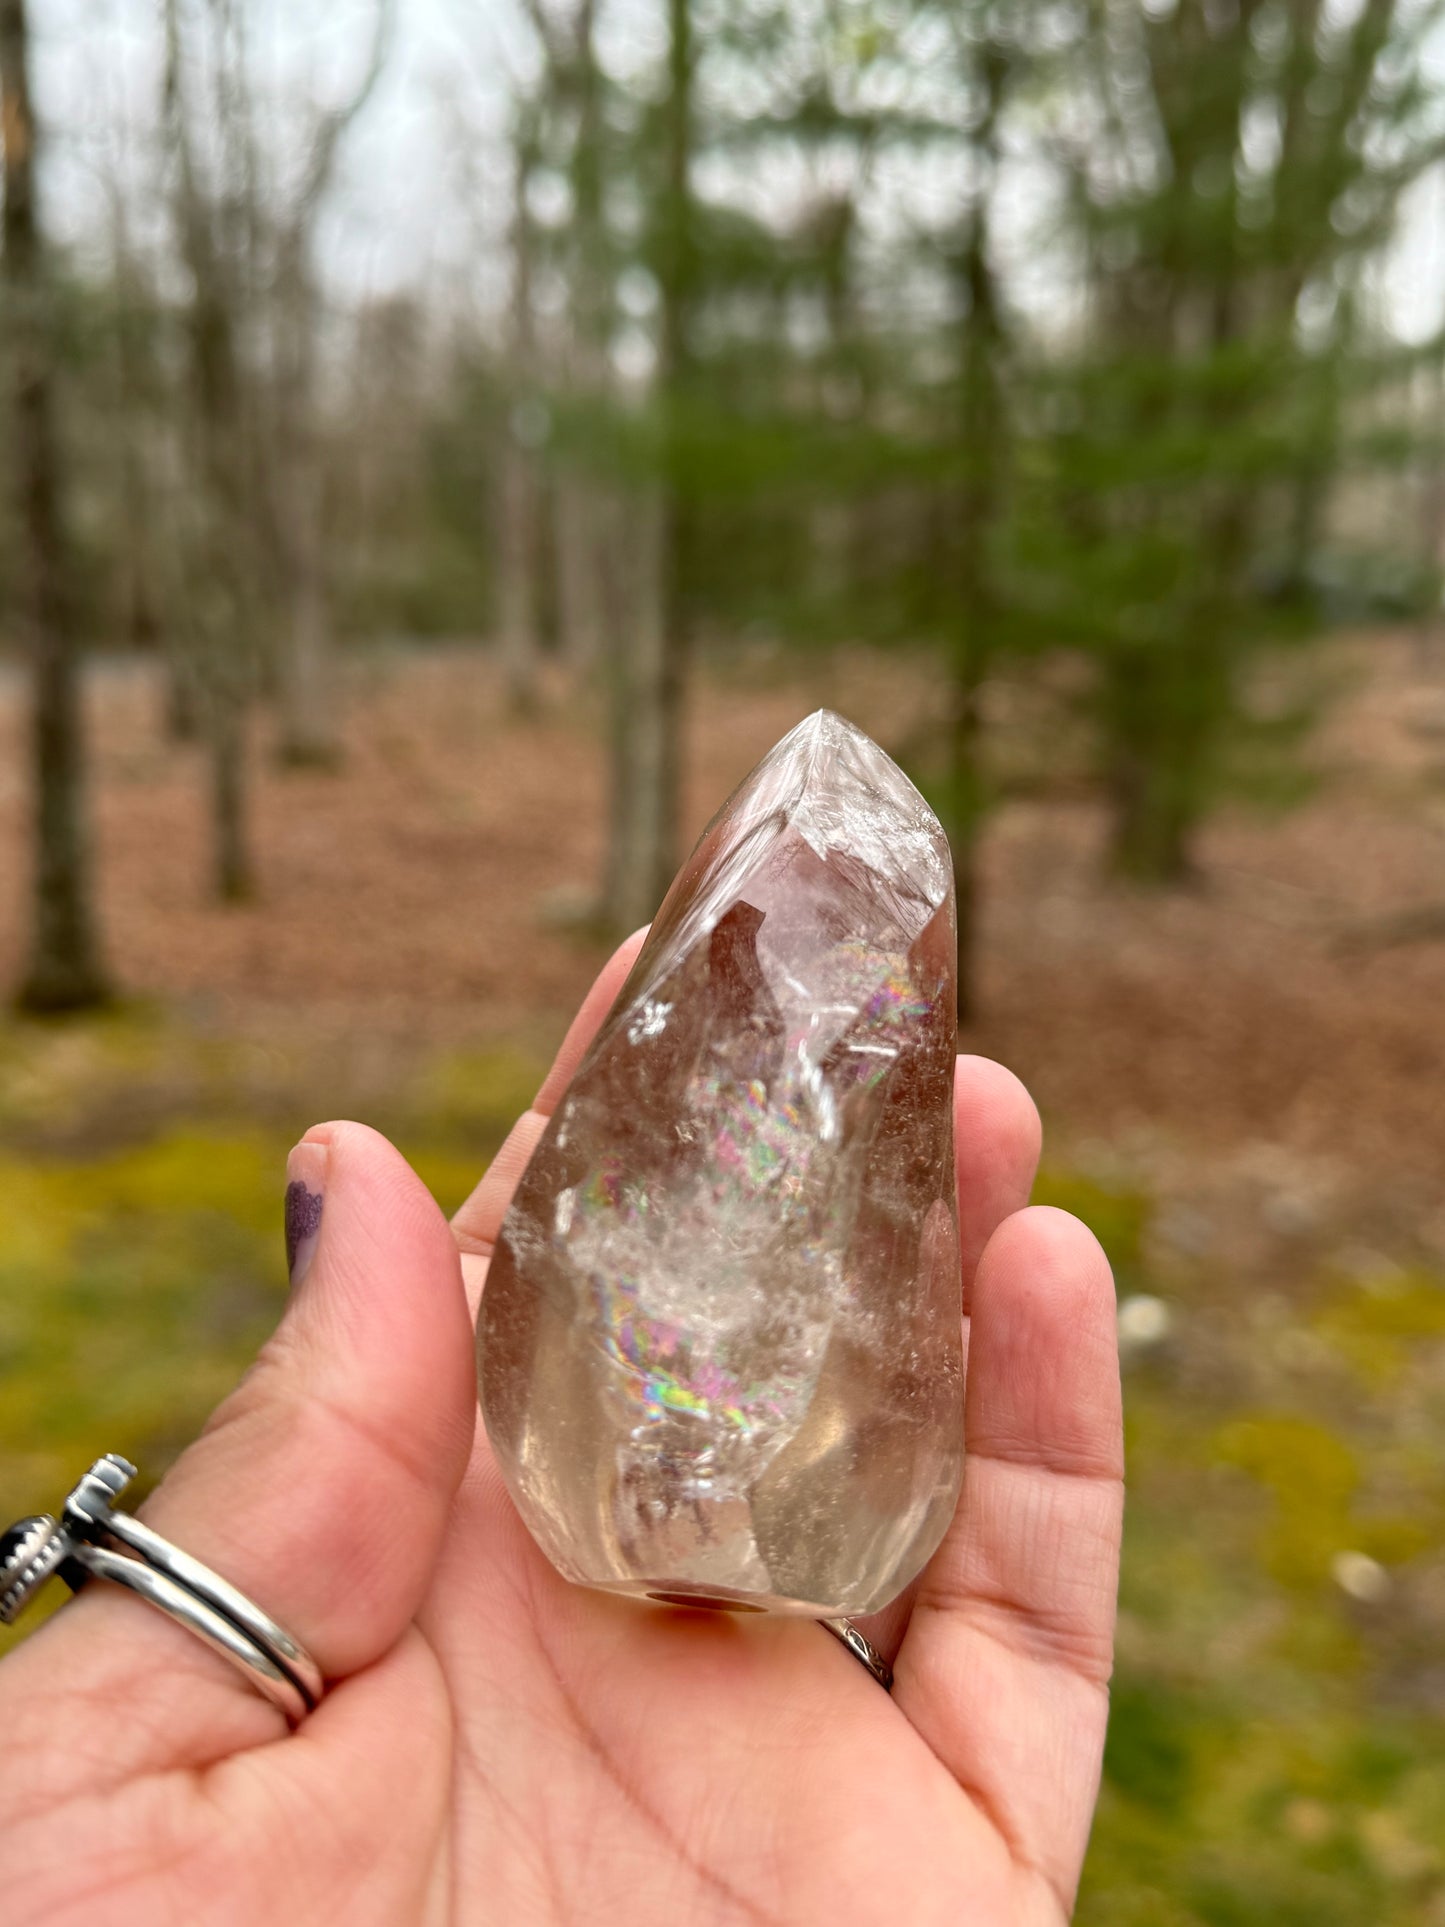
[720, 1348]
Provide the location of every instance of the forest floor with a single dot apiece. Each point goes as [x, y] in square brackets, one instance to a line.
[1243, 1091]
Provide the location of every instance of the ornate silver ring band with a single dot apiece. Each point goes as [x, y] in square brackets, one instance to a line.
[92, 1540]
[862, 1649]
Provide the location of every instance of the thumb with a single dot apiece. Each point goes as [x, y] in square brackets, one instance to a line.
[321, 1487]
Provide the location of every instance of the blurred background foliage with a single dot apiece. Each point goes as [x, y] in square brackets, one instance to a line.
[447, 442]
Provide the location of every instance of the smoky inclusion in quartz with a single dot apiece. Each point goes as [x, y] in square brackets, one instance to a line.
[720, 1347]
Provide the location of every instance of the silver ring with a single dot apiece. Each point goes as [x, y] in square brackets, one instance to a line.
[91, 1539]
[862, 1649]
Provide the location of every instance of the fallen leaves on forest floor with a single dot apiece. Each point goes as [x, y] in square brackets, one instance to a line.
[1249, 1118]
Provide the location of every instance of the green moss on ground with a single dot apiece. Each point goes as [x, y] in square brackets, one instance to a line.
[141, 1260]
[1278, 1732]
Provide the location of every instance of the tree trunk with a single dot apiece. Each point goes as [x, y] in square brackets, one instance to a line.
[226, 736]
[519, 505]
[139, 613]
[1163, 711]
[176, 501]
[226, 666]
[646, 738]
[579, 573]
[1153, 818]
[1169, 709]
[583, 508]
[646, 686]
[309, 737]
[305, 679]
[222, 598]
[973, 627]
[971, 644]
[965, 787]
[305, 676]
[182, 701]
[518, 611]
[1432, 521]
[65, 970]
[644, 716]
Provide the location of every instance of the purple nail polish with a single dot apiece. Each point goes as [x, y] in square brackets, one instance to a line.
[303, 1226]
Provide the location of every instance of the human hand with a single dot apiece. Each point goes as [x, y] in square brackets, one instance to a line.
[500, 1746]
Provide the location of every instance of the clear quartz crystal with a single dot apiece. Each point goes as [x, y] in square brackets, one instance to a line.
[720, 1348]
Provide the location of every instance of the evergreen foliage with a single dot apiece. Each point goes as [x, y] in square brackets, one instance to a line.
[1019, 334]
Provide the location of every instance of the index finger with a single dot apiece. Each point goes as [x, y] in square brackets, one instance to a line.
[479, 1221]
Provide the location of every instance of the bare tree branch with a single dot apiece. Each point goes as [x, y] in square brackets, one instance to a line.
[331, 129]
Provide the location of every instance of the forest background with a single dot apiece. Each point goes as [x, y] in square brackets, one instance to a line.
[445, 443]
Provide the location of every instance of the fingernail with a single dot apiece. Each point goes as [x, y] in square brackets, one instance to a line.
[305, 1193]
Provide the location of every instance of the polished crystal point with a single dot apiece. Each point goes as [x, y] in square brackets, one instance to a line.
[720, 1348]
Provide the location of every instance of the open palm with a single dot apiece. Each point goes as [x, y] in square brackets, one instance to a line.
[499, 1746]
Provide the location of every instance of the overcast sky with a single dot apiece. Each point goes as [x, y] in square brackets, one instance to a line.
[423, 186]
[418, 168]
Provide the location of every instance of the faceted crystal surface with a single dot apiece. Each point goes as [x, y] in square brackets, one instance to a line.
[720, 1348]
